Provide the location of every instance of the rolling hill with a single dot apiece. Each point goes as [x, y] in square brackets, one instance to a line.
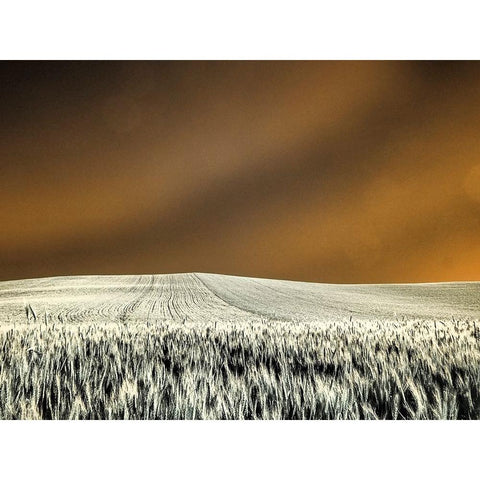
[201, 297]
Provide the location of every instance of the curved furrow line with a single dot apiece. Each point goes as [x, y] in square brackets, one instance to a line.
[132, 304]
[184, 305]
[184, 302]
[157, 294]
[107, 305]
[200, 301]
[222, 310]
[149, 303]
[93, 307]
[215, 309]
[176, 299]
[168, 297]
[127, 304]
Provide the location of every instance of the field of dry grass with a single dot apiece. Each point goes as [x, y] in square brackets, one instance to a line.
[206, 358]
[333, 370]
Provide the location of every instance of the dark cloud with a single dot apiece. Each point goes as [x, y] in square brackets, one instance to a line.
[320, 171]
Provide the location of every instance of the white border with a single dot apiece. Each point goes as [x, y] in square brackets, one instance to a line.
[251, 29]
[239, 450]
[244, 30]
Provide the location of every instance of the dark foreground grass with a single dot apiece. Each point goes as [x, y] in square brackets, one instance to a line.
[272, 370]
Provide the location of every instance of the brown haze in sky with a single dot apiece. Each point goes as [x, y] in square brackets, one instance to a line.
[320, 171]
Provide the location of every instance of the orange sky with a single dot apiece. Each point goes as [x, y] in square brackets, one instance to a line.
[319, 171]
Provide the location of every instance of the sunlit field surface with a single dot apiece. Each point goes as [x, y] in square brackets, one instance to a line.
[199, 346]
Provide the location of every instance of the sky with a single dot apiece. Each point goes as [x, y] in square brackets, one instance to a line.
[348, 172]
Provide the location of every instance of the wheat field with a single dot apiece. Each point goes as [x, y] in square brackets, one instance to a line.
[203, 346]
